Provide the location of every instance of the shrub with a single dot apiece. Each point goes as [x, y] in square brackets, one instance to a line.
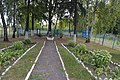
[101, 58]
[18, 45]
[71, 44]
[1, 55]
[81, 48]
[99, 71]
[8, 55]
[27, 41]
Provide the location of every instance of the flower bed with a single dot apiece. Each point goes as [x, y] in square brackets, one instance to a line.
[97, 62]
[9, 55]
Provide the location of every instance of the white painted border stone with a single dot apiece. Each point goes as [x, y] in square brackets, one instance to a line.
[29, 73]
[67, 77]
[16, 61]
[80, 62]
[115, 64]
[5, 48]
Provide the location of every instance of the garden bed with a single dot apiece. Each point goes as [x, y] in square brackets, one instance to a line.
[11, 55]
[97, 63]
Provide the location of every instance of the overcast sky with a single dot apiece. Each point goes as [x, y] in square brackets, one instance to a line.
[1, 20]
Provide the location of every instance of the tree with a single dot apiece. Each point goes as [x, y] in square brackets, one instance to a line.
[3, 21]
[32, 32]
[14, 19]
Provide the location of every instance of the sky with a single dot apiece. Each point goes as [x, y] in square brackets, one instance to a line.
[44, 23]
[1, 19]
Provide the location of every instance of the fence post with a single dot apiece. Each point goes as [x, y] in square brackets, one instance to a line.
[114, 39]
[103, 39]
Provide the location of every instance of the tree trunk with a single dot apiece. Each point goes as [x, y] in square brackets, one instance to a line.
[75, 21]
[55, 26]
[103, 39]
[27, 21]
[32, 31]
[14, 21]
[69, 29]
[93, 20]
[3, 22]
[87, 29]
[50, 16]
[95, 37]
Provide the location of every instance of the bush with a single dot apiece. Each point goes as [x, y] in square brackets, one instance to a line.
[1, 56]
[9, 55]
[81, 48]
[101, 58]
[18, 45]
[71, 44]
[27, 41]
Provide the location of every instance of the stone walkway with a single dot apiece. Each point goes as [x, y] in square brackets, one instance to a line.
[48, 66]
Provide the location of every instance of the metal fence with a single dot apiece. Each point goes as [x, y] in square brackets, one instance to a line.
[109, 40]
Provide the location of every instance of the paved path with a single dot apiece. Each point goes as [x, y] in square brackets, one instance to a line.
[48, 66]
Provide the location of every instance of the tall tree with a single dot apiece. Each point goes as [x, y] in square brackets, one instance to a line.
[27, 19]
[32, 31]
[3, 21]
[14, 19]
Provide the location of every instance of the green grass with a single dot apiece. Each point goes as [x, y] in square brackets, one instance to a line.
[74, 69]
[36, 77]
[94, 46]
[20, 70]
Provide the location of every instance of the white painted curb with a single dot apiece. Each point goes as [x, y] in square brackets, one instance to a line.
[115, 64]
[29, 73]
[80, 62]
[5, 48]
[62, 62]
[16, 61]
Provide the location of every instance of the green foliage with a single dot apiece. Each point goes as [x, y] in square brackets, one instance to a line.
[80, 51]
[116, 73]
[80, 48]
[18, 45]
[71, 44]
[1, 57]
[9, 55]
[99, 71]
[85, 58]
[101, 58]
[27, 41]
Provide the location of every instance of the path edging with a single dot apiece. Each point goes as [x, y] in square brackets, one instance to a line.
[66, 74]
[29, 73]
[6, 48]
[16, 61]
[80, 62]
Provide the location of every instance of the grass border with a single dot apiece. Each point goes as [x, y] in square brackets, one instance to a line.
[29, 73]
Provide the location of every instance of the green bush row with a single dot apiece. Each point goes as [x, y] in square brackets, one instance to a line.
[11, 54]
[99, 59]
